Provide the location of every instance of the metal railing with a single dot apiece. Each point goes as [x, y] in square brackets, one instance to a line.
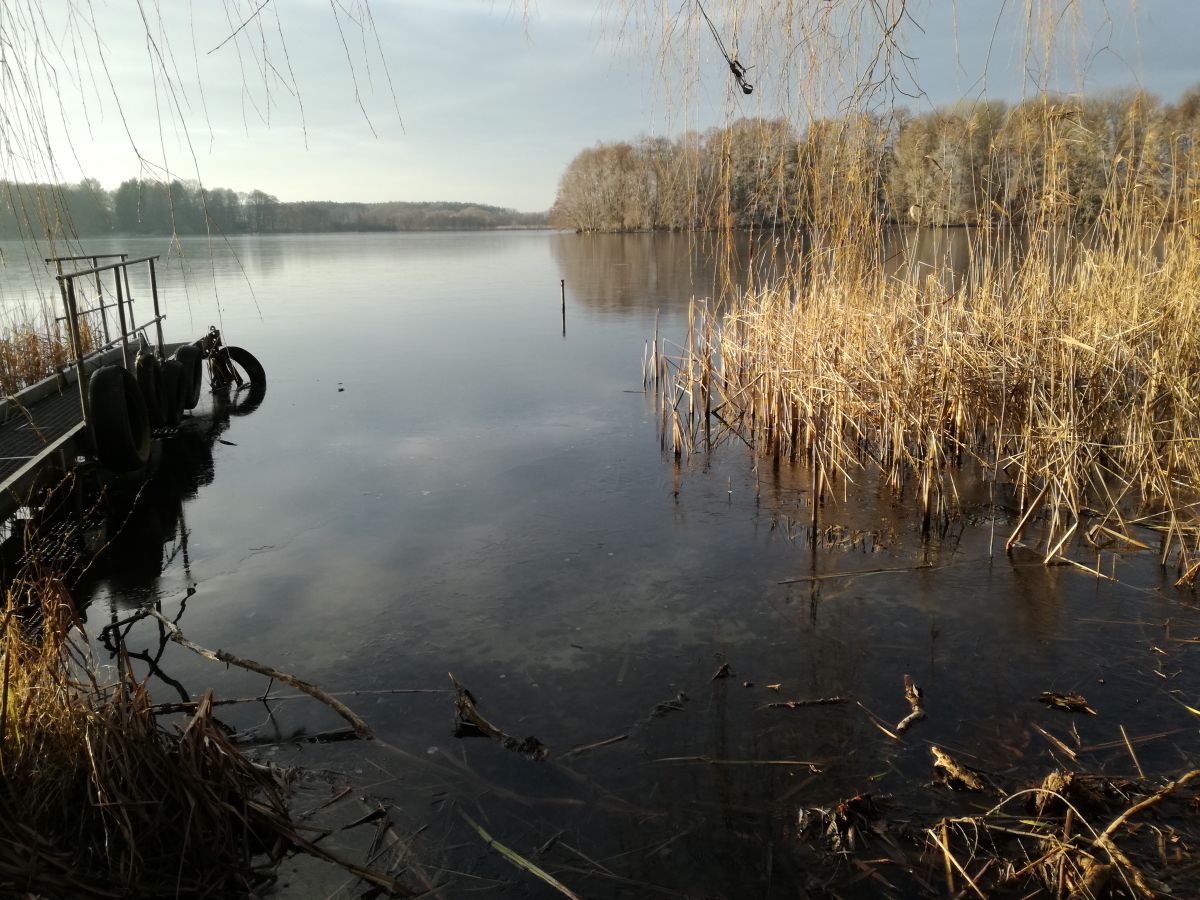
[126, 321]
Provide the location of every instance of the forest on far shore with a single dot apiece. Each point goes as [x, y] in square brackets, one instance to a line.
[1065, 159]
[177, 207]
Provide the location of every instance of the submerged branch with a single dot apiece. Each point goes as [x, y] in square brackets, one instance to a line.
[360, 727]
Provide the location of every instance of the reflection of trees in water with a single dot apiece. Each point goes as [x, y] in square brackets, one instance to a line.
[663, 270]
[952, 254]
[629, 272]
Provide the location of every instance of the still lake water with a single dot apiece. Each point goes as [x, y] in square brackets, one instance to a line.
[440, 480]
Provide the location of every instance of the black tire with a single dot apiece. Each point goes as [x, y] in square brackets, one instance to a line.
[120, 424]
[149, 379]
[170, 394]
[250, 397]
[193, 373]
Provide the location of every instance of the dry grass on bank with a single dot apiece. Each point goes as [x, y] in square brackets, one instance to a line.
[101, 798]
[97, 799]
[1077, 386]
[30, 352]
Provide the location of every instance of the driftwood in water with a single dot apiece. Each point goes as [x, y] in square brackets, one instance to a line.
[913, 695]
[1070, 702]
[800, 704]
[847, 825]
[669, 706]
[956, 775]
[470, 722]
[360, 727]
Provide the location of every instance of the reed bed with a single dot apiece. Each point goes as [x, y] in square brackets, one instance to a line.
[31, 351]
[1073, 384]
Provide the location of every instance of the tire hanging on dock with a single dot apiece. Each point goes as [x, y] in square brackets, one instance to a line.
[192, 361]
[149, 379]
[119, 421]
[249, 399]
[170, 393]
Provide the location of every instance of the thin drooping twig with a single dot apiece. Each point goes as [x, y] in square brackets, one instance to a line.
[360, 727]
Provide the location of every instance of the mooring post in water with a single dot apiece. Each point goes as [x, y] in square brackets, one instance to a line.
[562, 286]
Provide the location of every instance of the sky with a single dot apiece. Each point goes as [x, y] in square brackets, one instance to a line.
[480, 100]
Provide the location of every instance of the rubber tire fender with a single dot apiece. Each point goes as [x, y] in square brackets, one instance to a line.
[120, 423]
[149, 378]
[170, 392]
[250, 366]
[256, 376]
[192, 360]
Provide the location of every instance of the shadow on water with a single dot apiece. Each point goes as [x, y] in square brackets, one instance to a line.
[146, 523]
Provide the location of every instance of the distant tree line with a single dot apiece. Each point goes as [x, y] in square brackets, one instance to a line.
[1047, 159]
[177, 207]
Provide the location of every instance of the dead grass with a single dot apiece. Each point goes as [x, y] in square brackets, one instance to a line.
[1061, 838]
[31, 351]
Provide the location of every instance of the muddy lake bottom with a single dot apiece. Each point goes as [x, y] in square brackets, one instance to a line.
[441, 481]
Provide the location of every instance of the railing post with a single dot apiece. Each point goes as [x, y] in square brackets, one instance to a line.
[128, 289]
[157, 314]
[121, 315]
[100, 299]
[67, 285]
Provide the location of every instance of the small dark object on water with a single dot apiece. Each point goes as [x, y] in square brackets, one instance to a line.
[747, 684]
[670, 706]
[226, 443]
[723, 672]
[1070, 702]
[469, 722]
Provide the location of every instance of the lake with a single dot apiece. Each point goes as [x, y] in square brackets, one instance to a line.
[449, 475]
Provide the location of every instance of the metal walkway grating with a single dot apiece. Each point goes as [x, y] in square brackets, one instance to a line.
[27, 432]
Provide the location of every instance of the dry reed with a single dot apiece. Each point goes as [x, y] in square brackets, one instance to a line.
[31, 351]
[1077, 387]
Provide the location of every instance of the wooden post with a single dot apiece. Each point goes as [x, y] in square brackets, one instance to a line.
[562, 286]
